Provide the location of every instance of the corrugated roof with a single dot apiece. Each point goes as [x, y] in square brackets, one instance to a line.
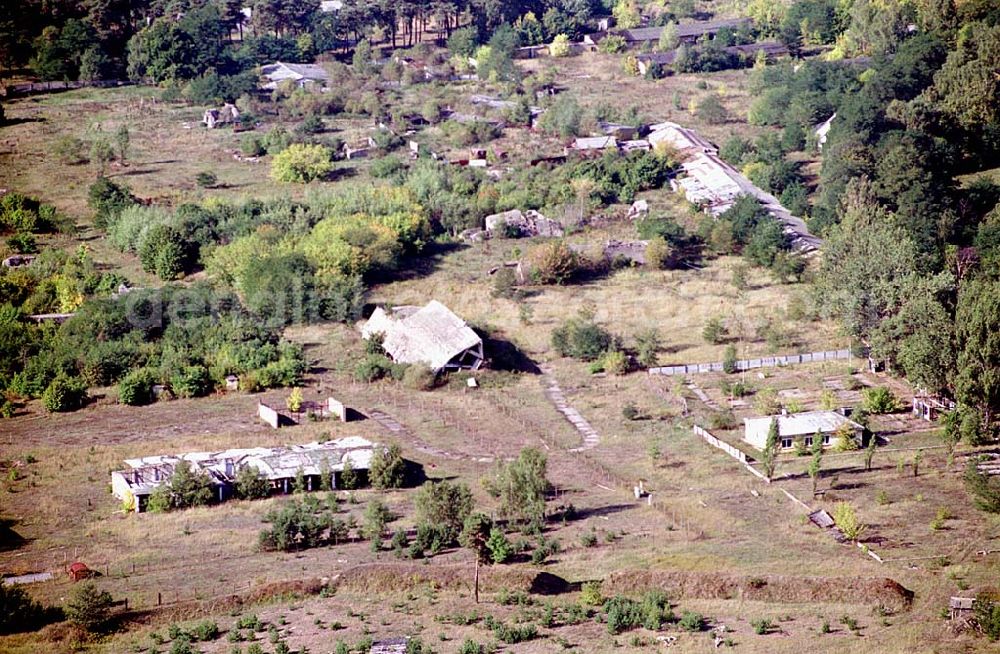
[595, 143]
[432, 334]
[802, 424]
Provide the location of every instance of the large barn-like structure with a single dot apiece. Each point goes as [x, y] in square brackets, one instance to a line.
[431, 335]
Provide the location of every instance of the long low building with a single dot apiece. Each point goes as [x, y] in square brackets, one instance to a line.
[802, 427]
[711, 183]
[278, 465]
[430, 335]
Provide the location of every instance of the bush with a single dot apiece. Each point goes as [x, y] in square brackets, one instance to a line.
[70, 150]
[185, 489]
[205, 631]
[714, 331]
[498, 546]
[420, 378]
[387, 468]
[691, 621]
[88, 607]
[64, 393]
[553, 263]
[251, 146]
[18, 612]
[206, 179]
[847, 520]
[107, 199]
[164, 251]
[613, 44]
[711, 110]
[191, 381]
[622, 613]
[987, 612]
[136, 388]
[762, 626]
[560, 46]
[302, 163]
[729, 360]
[590, 593]
[660, 254]
[251, 484]
[879, 400]
[581, 339]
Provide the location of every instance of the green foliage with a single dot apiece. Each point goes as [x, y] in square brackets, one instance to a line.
[136, 388]
[553, 263]
[295, 525]
[647, 347]
[987, 614]
[302, 163]
[498, 546]
[729, 360]
[711, 110]
[250, 484]
[846, 518]
[563, 118]
[64, 393]
[613, 44]
[691, 621]
[590, 594]
[387, 468]
[187, 488]
[206, 179]
[376, 517]
[445, 505]
[18, 612]
[164, 251]
[762, 626]
[714, 331]
[521, 486]
[879, 400]
[622, 613]
[984, 488]
[581, 339]
[107, 199]
[88, 607]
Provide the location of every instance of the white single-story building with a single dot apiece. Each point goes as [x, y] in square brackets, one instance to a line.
[431, 335]
[302, 75]
[278, 465]
[801, 426]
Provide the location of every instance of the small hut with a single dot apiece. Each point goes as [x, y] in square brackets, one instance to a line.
[78, 571]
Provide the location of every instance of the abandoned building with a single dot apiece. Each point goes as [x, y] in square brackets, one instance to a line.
[801, 427]
[430, 335]
[593, 144]
[278, 465]
[301, 75]
[519, 223]
[686, 33]
[227, 115]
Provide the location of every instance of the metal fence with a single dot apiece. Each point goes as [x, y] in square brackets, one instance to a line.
[752, 364]
[30, 88]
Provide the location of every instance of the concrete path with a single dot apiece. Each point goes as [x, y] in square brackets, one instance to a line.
[395, 427]
[701, 395]
[555, 395]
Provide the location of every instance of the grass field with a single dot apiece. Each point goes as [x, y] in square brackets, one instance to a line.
[708, 516]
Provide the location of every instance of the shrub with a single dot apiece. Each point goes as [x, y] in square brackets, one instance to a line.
[470, 646]
[251, 484]
[206, 179]
[251, 146]
[590, 593]
[691, 621]
[847, 520]
[581, 339]
[560, 46]
[714, 331]
[88, 607]
[553, 263]
[762, 626]
[387, 468]
[70, 150]
[302, 163]
[987, 612]
[443, 508]
[64, 393]
[879, 400]
[729, 360]
[205, 631]
[613, 44]
[18, 612]
[185, 489]
[589, 539]
[711, 110]
[107, 199]
[498, 546]
[190, 381]
[420, 378]
[136, 388]
[164, 251]
[615, 362]
[622, 613]
[660, 254]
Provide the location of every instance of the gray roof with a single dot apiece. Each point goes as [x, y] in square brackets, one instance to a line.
[285, 70]
[686, 30]
[432, 334]
[802, 424]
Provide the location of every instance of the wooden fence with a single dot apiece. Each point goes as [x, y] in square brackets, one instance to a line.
[752, 364]
[731, 451]
[31, 88]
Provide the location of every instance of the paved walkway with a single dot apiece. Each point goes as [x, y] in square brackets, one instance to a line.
[701, 395]
[555, 394]
[394, 426]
